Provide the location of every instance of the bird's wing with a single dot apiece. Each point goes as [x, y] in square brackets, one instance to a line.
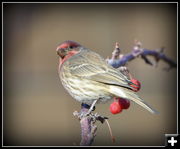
[88, 64]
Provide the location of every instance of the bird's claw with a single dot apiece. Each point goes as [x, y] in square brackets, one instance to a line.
[99, 117]
[94, 117]
[81, 115]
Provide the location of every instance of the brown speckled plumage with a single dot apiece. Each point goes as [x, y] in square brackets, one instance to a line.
[87, 77]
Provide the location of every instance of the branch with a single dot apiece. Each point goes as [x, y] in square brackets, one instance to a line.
[119, 59]
[159, 55]
[88, 127]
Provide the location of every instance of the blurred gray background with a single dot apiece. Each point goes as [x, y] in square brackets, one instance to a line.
[36, 108]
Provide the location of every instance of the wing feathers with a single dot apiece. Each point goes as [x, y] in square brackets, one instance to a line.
[95, 68]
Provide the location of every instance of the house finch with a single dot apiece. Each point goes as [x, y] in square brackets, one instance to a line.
[89, 79]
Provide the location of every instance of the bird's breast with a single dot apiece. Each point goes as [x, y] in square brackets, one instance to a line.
[83, 90]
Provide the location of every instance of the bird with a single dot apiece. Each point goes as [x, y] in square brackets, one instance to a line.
[89, 79]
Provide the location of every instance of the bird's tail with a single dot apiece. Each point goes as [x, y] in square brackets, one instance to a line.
[130, 95]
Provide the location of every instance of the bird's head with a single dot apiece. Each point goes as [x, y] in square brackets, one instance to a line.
[67, 48]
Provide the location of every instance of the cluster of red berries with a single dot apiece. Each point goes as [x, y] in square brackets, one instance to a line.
[119, 103]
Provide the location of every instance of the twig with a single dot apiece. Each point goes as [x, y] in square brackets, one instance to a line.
[118, 59]
[110, 131]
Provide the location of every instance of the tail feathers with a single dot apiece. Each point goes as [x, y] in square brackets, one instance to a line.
[142, 103]
[130, 95]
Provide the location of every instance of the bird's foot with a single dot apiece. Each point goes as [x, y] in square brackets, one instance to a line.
[98, 117]
[86, 110]
[80, 114]
[93, 116]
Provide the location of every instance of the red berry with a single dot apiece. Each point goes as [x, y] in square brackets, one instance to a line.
[124, 103]
[115, 107]
[136, 82]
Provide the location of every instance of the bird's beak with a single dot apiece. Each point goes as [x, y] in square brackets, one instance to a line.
[61, 53]
[57, 51]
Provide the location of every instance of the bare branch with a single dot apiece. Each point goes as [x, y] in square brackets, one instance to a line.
[88, 127]
[118, 59]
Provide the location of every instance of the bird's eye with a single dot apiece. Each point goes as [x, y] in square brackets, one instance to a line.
[70, 47]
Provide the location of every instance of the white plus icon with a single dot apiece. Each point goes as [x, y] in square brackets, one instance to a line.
[172, 141]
